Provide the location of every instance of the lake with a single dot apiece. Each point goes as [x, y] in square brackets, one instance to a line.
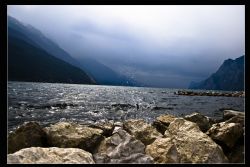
[51, 102]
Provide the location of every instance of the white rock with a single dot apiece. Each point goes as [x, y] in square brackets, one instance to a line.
[52, 155]
[71, 135]
[121, 148]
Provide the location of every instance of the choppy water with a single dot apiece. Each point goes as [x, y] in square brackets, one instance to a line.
[49, 103]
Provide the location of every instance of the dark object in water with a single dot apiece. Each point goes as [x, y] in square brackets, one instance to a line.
[162, 108]
[122, 105]
[137, 106]
[60, 105]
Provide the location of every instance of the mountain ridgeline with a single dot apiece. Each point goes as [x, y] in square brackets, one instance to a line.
[92, 71]
[104, 75]
[229, 77]
[27, 61]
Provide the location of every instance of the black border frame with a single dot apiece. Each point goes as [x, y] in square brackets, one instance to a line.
[3, 50]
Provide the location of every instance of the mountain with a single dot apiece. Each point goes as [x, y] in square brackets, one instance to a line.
[28, 62]
[230, 76]
[103, 74]
[98, 72]
[39, 39]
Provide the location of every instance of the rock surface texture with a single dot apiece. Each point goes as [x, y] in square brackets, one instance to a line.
[192, 139]
[202, 121]
[163, 150]
[52, 155]
[107, 127]
[162, 122]
[185, 143]
[141, 130]
[227, 114]
[29, 134]
[121, 147]
[226, 133]
[70, 135]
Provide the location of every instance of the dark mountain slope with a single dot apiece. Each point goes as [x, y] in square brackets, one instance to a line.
[102, 74]
[27, 62]
[230, 76]
[41, 40]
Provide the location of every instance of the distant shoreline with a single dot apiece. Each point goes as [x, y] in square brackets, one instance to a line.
[183, 89]
[212, 93]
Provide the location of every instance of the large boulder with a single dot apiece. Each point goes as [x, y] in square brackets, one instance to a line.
[226, 134]
[71, 135]
[227, 114]
[163, 150]
[162, 122]
[193, 145]
[202, 121]
[121, 147]
[141, 130]
[29, 134]
[52, 155]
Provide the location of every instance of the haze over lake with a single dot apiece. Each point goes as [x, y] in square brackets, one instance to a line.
[154, 45]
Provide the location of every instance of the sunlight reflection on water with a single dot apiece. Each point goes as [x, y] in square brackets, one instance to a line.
[50, 103]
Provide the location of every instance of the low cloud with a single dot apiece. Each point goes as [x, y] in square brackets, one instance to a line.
[170, 45]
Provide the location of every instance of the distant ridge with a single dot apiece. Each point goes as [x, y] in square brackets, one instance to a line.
[96, 71]
[230, 77]
[27, 61]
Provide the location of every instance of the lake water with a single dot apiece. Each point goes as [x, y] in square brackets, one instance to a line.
[49, 103]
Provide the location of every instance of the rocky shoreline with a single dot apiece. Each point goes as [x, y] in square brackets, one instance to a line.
[211, 93]
[194, 138]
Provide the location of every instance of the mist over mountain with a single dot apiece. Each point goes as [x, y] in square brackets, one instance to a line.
[39, 39]
[102, 74]
[155, 46]
[27, 62]
[230, 76]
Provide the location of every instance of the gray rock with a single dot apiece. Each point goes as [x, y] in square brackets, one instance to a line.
[226, 133]
[202, 121]
[29, 134]
[141, 130]
[227, 114]
[71, 135]
[121, 147]
[52, 155]
[116, 129]
[183, 142]
[118, 124]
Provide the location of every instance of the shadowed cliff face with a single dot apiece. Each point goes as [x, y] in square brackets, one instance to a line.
[29, 62]
[230, 76]
[97, 72]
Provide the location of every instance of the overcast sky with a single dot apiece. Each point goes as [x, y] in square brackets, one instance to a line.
[171, 45]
